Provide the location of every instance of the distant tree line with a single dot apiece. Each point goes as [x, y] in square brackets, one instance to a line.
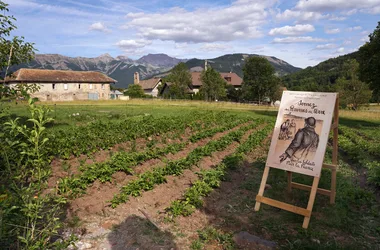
[259, 84]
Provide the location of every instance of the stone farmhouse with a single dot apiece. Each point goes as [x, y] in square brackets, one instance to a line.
[149, 86]
[64, 85]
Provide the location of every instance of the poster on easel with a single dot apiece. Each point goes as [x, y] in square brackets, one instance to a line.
[301, 132]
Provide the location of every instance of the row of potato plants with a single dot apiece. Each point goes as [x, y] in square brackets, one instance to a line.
[365, 153]
[148, 180]
[371, 146]
[98, 135]
[125, 161]
[211, 179]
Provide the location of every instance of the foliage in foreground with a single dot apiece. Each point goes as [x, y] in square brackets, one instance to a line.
[29, 216]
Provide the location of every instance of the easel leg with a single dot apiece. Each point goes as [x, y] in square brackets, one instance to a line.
[310, 204]
[333, 186]
[262, 187]
[335, 151]
[290, 179]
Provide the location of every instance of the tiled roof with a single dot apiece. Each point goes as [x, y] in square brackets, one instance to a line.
[57, 76]
[235, 79]
[149, 84]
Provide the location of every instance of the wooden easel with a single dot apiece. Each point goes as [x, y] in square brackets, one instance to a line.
[306, 212]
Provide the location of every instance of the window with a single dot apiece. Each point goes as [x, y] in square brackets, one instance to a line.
[65, 86]
[53, 85]
[102, 86]
[228, 78]
[90, 85]
[102, 94]
[78, 86]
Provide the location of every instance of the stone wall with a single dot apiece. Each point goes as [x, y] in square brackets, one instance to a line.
[72, 91]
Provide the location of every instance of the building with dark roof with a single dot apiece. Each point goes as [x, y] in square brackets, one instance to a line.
[64, 85]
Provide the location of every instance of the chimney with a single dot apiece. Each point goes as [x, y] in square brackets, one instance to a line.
[136, 80]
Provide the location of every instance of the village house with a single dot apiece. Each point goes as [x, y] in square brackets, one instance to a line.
[230, 78]
[64, 85]
[196, 82]
[149, 86]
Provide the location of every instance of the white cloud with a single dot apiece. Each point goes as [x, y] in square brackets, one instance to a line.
[340, 50]
[214, 47]
[365, 32]
[133, 46]
[332, 31]
[48, 8]
[354, 28]
[326, 46]
[300, 39]
[350, 12]
[300, 15]
[373, 11]
[292, 30]
[337, 18]
[347, 42]
[364, 39]
[242, 19]
[334, 5]
[99, 27]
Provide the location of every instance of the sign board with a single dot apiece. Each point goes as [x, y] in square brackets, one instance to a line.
[301, 132]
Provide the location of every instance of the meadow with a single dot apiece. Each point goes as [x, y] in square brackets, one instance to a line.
[154, 174]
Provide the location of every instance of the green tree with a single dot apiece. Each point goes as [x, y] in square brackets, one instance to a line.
[233, 94]
[135, 91]
[213, 85]
[259, 80]
[352, 91]
[13, 50]
[29, 214]
[180, 78]
[369, 59]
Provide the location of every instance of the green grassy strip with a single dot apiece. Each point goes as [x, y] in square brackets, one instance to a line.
[124, 161]
[149, 179]
[210, 179]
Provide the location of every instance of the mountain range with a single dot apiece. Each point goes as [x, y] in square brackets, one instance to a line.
[122, 68]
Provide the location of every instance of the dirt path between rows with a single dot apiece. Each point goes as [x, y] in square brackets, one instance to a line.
[128, 218]
[97, 197]
[218, 206]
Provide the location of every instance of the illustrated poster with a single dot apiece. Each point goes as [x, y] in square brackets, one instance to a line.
[301, 132]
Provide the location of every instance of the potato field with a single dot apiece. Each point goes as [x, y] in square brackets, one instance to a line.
[178, 176]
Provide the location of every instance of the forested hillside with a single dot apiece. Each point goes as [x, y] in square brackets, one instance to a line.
[321, 77]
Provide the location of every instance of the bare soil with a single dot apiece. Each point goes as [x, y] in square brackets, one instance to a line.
[63, 168]
[97, 197]
[96, 215]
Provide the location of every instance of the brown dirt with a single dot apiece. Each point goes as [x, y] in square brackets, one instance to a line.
[151, 202]
[63, 168]
[219, 208]
[97, 197]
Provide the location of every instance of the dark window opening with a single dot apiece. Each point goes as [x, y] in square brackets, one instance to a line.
[79, 86]
[53, 86]
[227, 78]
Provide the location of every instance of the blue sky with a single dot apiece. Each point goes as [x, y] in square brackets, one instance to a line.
[301, 32]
